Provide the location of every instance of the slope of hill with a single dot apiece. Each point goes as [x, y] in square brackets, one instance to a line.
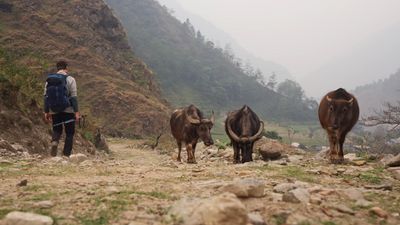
[372, 60]
[192, 70]
[222, 38]
[115, 89]
[372, 96]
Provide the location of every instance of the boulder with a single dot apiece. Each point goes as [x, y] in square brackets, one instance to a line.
[77, 158]
[224, 209]
[256, 219]
[299, 195]
[23, 218]
[393, 162]
[270, 150]
[245, 188]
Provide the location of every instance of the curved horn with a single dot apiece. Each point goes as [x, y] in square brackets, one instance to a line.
[231, 133]
[351, 101]
[212, 118]
[328, 98]
[258, 134]
[192, 120]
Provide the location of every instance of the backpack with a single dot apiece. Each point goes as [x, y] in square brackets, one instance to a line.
[57, 93]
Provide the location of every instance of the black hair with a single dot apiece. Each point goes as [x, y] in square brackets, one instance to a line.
[62, 65]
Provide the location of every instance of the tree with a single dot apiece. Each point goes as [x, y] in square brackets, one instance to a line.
[272, 81]
[291, 89]
[190, 28]
[390, 115]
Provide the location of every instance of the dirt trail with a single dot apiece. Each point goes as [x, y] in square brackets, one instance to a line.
[139, 184]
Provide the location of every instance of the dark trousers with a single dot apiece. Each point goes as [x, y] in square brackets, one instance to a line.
[58, 119]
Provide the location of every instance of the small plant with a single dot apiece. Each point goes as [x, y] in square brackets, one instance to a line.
[272, 135]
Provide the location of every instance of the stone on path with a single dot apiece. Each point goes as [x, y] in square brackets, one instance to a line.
[245, 188]
[256, 219]
[379, 212]
[224, 209]
[393, 162]
[23, 218]
[299, 195]
[270, 150]
[44, 204]
[77, 158]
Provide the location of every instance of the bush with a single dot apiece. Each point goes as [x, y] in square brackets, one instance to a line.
[272, 135]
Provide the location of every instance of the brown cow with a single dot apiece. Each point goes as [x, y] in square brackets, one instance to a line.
[188, 125]
[338, 112]
[243, 127]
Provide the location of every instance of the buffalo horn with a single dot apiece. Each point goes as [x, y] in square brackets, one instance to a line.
[351, 101]
[231, 133]
[192, 120]
[257, 135]
[328, 98]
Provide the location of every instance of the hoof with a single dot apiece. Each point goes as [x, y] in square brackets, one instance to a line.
[191, 161]
[337, 160]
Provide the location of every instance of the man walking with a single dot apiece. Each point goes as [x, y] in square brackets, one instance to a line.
[61, 107]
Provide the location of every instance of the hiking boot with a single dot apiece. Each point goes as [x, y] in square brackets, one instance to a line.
[54, 146]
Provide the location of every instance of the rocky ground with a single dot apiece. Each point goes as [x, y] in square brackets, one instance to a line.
[136, 185]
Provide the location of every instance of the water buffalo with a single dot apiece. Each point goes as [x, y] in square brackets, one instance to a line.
[338, 112]
[189, 125]
[243, 127]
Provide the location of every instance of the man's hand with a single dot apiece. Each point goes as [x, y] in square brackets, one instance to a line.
[47, 117]
[77, 116]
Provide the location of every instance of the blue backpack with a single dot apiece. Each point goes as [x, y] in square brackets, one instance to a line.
[57, 93]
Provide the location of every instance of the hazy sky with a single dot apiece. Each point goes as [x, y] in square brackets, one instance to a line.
[302, 35]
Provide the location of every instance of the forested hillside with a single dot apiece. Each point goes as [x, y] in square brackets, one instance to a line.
[192, 69]
[116, 90]
[373, 96]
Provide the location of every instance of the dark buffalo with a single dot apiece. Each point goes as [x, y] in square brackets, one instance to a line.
[338, 112]
[243, 127]
[189, 125]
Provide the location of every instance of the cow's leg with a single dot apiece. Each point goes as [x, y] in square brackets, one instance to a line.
[333, 153]
[251, 151]
[236, 153]
[194, 151]
[189, 150]
[179, 150]
[340, 147]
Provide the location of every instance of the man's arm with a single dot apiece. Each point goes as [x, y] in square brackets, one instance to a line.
[74, 97]
[47, 115]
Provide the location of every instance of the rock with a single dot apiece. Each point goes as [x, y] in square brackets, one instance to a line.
[396, 173]
[112, 190]
[55, 160]
[351, 156]
[385, 187]
[379, 212]
[359, 162]
[77, 158]
[363, 203]
[44, 204]
[393, 162]
[315, 200]
[386, 159]
[295, 158]
[245, 188]
[323, 154]
[224, 209]
[299, 195]
[353, 194]
[285, 187]
[22, 183]
[343, 209]
[256, 219]
[23, 218]
[270, 150]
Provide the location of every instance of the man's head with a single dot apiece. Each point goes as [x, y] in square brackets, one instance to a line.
[62, 65]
